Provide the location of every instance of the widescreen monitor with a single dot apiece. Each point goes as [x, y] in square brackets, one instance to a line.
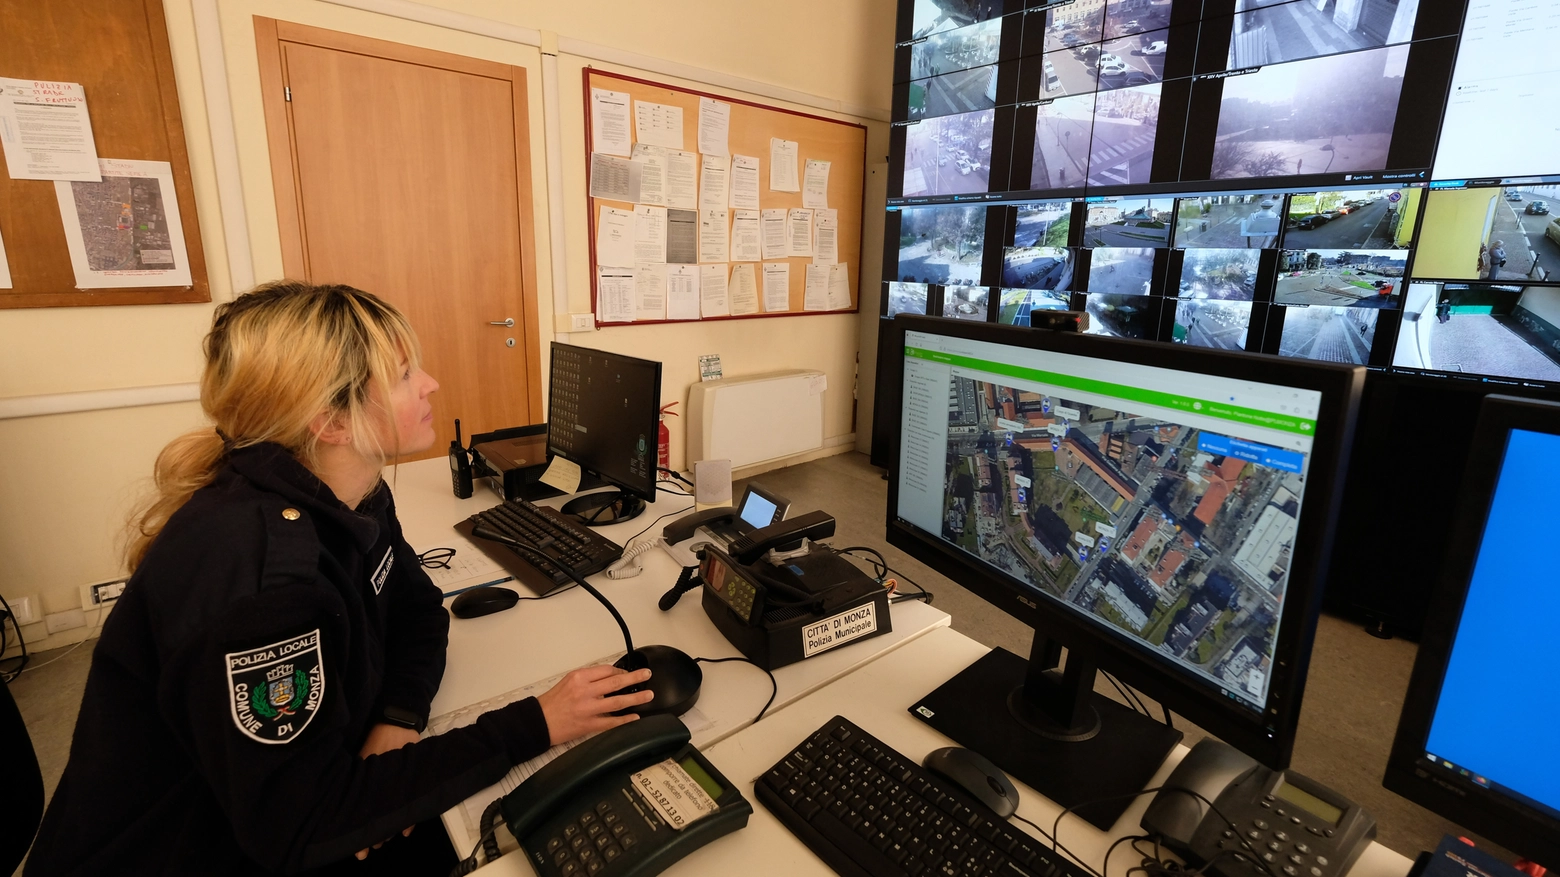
[1476, 741]
[1165, 513]
[603, 413]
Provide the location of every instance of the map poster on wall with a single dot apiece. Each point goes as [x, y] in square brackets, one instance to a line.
[125, 231]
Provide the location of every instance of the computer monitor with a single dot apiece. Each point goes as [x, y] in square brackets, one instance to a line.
[1163, 513]
[603, 413]
[1476, 741]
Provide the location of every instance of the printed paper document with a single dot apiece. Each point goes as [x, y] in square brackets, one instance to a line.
[615, 295]
[649, 234]
[46, 132]
[776, 245]
[682, 180]
[746, 243]
[782, 165]
[713, 244]
[124, 231]
[815, 295]
[826, 241]
[652, 174]
[713, 180]
[650, 292]
[682, 237]
[682, 292]
[839, 287]
[743, 290]
[609, 130]
[714, 126]
[744, 182]
[777, 287]
[815, 188]
[615, 237]
[658, 124]
[800, 234]
[712, 291]
[613, 178]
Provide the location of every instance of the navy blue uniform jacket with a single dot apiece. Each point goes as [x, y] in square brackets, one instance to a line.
[238, 677]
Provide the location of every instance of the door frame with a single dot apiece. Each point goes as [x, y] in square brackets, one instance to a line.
[270, 33]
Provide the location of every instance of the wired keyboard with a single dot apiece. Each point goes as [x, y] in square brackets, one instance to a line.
[568, 545]
[868, 810]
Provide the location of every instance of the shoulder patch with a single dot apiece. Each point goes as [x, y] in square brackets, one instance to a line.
[275, 691]
[382, 572]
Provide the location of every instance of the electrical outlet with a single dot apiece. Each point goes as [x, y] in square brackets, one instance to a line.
[93, 596]
[25, 609]
[581, 322]
[55, 622]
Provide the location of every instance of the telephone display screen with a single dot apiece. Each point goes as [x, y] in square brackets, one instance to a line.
[714, 572]
[1309, 802]
[757, 510]
[702, 777]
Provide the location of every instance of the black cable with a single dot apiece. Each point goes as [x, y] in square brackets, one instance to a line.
[881, 569]
[1057, 846]
[1168, 722]
[1127, 691]
[1119, 690]
[482, 531]
[675, 474]
[491, 817]
[774, 688]
[436, 558]
[673, 492]
[21, 641]
[657, 521]
[1105, 865]
[469, 864]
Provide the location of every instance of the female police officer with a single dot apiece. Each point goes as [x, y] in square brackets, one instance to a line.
[254, 700]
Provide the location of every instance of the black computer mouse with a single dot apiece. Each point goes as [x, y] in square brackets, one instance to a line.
[478, 602]
[674, 677]
[973, 773]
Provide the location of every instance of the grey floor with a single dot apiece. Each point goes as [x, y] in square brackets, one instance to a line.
[1352, 699]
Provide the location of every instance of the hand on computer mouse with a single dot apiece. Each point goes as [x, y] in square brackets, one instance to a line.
[583, 701]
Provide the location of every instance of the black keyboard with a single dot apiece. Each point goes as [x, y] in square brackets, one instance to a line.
[569, 545]
[867, 810]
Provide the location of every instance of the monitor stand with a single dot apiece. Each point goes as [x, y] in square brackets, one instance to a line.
[606, 507]
[1050, 729]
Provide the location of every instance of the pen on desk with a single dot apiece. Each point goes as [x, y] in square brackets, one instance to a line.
[449, 594]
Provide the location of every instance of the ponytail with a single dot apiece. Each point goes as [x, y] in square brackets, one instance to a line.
[276, 357]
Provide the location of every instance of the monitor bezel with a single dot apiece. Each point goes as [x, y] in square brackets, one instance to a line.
[1267, 736]
[652, 427]
[1498, 817]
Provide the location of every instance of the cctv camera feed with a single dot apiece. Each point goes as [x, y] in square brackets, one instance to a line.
[949, 155]
[1128, 222]
[1299, 157]
[1170, 528]
[1122, 270]
[1339, 278]
[1495, 234]
[1475, 329]
[1017, 303]
[1224, 275]
[1243, 221]
[906, 298]
[1217, 324]
[966, 302]
[1123, 316]
[1367, 219]
[941, 244]
[1334, 113]
[1037, 267]
[1330, 334]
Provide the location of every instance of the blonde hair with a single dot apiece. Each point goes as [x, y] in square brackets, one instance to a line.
[276, 357]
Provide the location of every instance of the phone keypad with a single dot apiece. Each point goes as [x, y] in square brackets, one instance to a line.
[1273, 846]
[595, 839]
[741, 594]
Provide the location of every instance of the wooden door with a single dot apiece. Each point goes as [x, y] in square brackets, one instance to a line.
[405, 172]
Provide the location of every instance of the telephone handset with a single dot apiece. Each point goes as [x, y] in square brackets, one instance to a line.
[629, 801]
[1284, 823]
[682, 529]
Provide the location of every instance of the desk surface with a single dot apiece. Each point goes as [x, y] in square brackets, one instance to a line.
[499, 653]
[876, 697]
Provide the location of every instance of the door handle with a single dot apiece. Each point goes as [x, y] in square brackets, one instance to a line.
[507, 322]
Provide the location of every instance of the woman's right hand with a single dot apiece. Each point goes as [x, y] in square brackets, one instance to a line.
[580, 703]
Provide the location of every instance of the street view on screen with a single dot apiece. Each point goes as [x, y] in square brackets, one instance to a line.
[1154, 509]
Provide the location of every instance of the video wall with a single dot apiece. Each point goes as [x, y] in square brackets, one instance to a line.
[1255, 175]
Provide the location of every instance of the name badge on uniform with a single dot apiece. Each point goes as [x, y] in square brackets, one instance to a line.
[382, 572]
[276, 690]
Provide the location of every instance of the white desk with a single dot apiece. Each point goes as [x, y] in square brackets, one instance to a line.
[498, 653]
[876, 697]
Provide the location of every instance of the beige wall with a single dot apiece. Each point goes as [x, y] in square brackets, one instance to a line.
[70, 479]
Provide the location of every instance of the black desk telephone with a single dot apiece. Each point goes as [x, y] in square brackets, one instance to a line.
[1285, 824]
[630, 801]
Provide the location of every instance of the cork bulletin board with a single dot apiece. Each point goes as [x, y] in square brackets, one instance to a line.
[752, 127]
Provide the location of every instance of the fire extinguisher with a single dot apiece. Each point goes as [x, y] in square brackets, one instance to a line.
[663, 453]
